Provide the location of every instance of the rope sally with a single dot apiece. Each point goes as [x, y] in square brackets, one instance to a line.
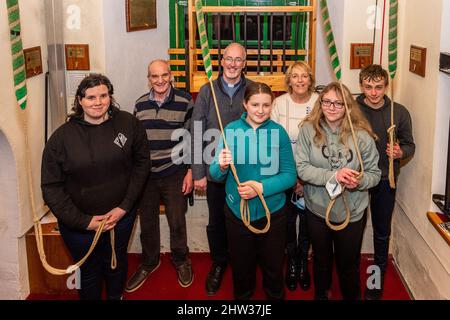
[18, 59]
[21, 96]
[393, 21]
[334, 58]
[245, 210]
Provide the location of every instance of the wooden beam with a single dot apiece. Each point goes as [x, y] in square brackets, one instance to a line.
[250, 52]
[192, 43]
[178, 73]
[312, 37]
[274, 81]
[261, 9]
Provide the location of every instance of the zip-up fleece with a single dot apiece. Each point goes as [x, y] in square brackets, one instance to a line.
[263, 155]
[380, 120]
[88, 169]
[204, 112]
[316, 165]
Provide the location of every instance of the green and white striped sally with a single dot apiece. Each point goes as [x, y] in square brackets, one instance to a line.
[203, 39]
[393, 21]
[330, 39]
[393, 18]
[18, 59]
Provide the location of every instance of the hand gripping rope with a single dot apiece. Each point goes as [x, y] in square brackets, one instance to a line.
[334, 58]
[245, 210]
[21, 97]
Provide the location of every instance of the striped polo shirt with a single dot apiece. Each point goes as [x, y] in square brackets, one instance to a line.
[160, 122]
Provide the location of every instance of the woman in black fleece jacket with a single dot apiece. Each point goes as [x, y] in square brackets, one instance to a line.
[93, 168]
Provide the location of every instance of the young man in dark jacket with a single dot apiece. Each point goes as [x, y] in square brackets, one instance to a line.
[229, 88]
[376, 106]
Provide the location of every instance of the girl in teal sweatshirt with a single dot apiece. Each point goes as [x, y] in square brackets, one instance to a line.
[261, 151]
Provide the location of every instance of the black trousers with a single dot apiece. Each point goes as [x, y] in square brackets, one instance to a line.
[216, 228]
[297, 239]
[96, 270]
[382, 202]
[168, 191]
[345, 247]
[248, 250]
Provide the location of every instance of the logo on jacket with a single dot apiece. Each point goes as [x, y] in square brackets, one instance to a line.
[337, 158]
[120, 140]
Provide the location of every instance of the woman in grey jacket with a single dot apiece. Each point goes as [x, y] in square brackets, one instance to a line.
[326, 159]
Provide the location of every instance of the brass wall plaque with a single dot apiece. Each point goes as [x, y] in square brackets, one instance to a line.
[361, 55]
[77, 57]
[417, 60]
[140, 14]
[33, 61]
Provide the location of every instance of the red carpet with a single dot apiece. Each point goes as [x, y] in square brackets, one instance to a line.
[163, 284]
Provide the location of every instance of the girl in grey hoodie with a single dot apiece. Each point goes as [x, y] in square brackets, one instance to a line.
[326, 156]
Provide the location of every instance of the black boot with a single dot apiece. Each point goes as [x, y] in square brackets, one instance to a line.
[291, 275]
[304, 279]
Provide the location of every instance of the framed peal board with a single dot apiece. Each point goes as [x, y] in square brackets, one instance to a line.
[141, 14]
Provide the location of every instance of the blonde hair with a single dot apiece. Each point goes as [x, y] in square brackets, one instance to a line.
[316, 117]
[304, 65]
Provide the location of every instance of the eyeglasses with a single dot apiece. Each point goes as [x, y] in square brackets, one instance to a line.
[237, 60]
[328, 103]
[296, 76]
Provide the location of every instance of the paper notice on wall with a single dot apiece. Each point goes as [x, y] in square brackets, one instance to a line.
[73, 79]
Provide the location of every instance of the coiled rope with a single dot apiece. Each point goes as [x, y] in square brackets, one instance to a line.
[244, 205]
[334, 58]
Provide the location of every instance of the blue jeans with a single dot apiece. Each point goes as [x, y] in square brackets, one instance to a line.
[97, 268]
[382, 202]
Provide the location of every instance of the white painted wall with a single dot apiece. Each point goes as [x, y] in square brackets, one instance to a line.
[16, 216]
[128, 53]
[84, 24]
[421, 253]
[324, 72]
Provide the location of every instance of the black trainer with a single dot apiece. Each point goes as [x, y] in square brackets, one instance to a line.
[304, 278]
[291, 275]
[214, 279]
[373, 294]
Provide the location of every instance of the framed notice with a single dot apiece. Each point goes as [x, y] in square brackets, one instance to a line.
[77, 57]
[417, 60]
[141, 14]
[33, 61]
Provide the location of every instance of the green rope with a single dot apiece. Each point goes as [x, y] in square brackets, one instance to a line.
[393, 19]
[334, 57]
[203, 39]
[18, 59]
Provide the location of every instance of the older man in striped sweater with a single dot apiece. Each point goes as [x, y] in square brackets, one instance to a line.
[164, 111]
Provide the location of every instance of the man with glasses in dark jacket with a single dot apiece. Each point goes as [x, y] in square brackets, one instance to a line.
[229, 89]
